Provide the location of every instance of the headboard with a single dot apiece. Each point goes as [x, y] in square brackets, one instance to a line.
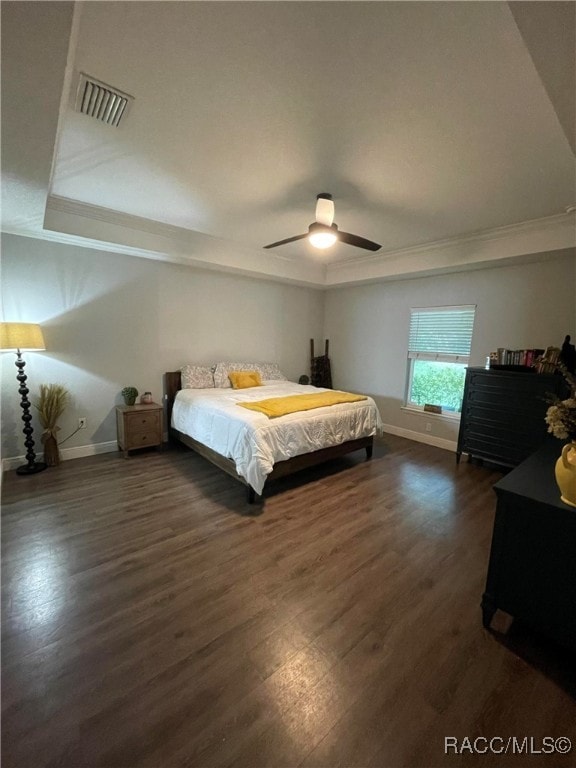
[173, 386]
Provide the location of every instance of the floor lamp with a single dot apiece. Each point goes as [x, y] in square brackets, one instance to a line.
[24, 337]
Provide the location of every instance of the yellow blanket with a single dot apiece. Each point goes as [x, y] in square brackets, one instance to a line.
[280, 406]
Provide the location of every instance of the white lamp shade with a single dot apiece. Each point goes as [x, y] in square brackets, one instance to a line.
[22, 336]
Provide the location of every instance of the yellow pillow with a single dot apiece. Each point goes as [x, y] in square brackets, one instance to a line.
[245, 379]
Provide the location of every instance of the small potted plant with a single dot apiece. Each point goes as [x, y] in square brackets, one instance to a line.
[50, 405]
[129, 394]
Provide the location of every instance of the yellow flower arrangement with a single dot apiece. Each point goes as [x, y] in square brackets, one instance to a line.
[561, 415]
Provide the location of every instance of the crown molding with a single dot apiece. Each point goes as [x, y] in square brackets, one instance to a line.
[83, 242]
[530, 227]
[489, 248]
[157, 240]
[75, 223]
[57, 204]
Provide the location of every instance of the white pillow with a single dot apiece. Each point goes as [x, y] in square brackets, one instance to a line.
[196, 377]
[269, 371]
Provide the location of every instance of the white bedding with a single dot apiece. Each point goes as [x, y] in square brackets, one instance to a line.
[255, 442]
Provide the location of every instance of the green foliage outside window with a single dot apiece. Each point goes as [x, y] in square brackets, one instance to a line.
[438, 384]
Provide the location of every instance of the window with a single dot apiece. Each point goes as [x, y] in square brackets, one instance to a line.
[438, 353]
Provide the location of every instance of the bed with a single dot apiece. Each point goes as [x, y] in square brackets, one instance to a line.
[249, 446]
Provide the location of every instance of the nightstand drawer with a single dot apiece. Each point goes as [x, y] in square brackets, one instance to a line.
[142, 422]
[141, 439]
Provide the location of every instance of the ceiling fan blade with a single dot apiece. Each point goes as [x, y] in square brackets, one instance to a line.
[359, 242]
[288, 240]
[324, 209]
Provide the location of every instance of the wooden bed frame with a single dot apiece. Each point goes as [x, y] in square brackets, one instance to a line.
[281, 468]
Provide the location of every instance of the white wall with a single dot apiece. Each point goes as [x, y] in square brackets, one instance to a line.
[518, 307]
[112, 320]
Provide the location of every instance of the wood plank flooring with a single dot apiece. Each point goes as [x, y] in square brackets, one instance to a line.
[152, 618]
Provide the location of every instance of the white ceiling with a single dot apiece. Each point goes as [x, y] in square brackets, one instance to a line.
[435, 125]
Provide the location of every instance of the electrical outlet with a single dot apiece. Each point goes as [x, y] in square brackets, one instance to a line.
[428, 426]
[82, 422]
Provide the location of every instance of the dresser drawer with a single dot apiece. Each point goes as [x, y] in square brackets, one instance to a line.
[503, 414]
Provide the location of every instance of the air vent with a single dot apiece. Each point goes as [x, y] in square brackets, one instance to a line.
[101, 101]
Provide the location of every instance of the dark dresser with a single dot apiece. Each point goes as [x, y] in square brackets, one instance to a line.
[503, 414]
[532, 569]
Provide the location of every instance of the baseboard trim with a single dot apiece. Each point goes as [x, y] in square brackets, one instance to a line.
[420, 437]
[66, 454]
[80, 451]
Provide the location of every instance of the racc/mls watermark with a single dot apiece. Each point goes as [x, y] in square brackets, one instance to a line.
[507, 745]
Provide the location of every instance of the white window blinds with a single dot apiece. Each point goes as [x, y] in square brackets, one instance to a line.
[441, 333]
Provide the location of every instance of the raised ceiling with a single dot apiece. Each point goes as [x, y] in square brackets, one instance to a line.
[442, 129]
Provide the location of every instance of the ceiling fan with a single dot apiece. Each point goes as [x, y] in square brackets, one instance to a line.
[323, 232]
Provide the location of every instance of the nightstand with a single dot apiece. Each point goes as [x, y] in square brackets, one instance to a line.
[138, 426]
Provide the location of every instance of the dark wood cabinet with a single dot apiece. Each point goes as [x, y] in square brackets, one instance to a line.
[532, 569]
[503, 414]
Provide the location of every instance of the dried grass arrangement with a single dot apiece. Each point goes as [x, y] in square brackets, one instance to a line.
[50, 405]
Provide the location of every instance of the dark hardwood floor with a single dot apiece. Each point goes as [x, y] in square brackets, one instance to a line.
[152, 618]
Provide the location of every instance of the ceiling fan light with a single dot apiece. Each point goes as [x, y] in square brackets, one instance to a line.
[322, 239]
